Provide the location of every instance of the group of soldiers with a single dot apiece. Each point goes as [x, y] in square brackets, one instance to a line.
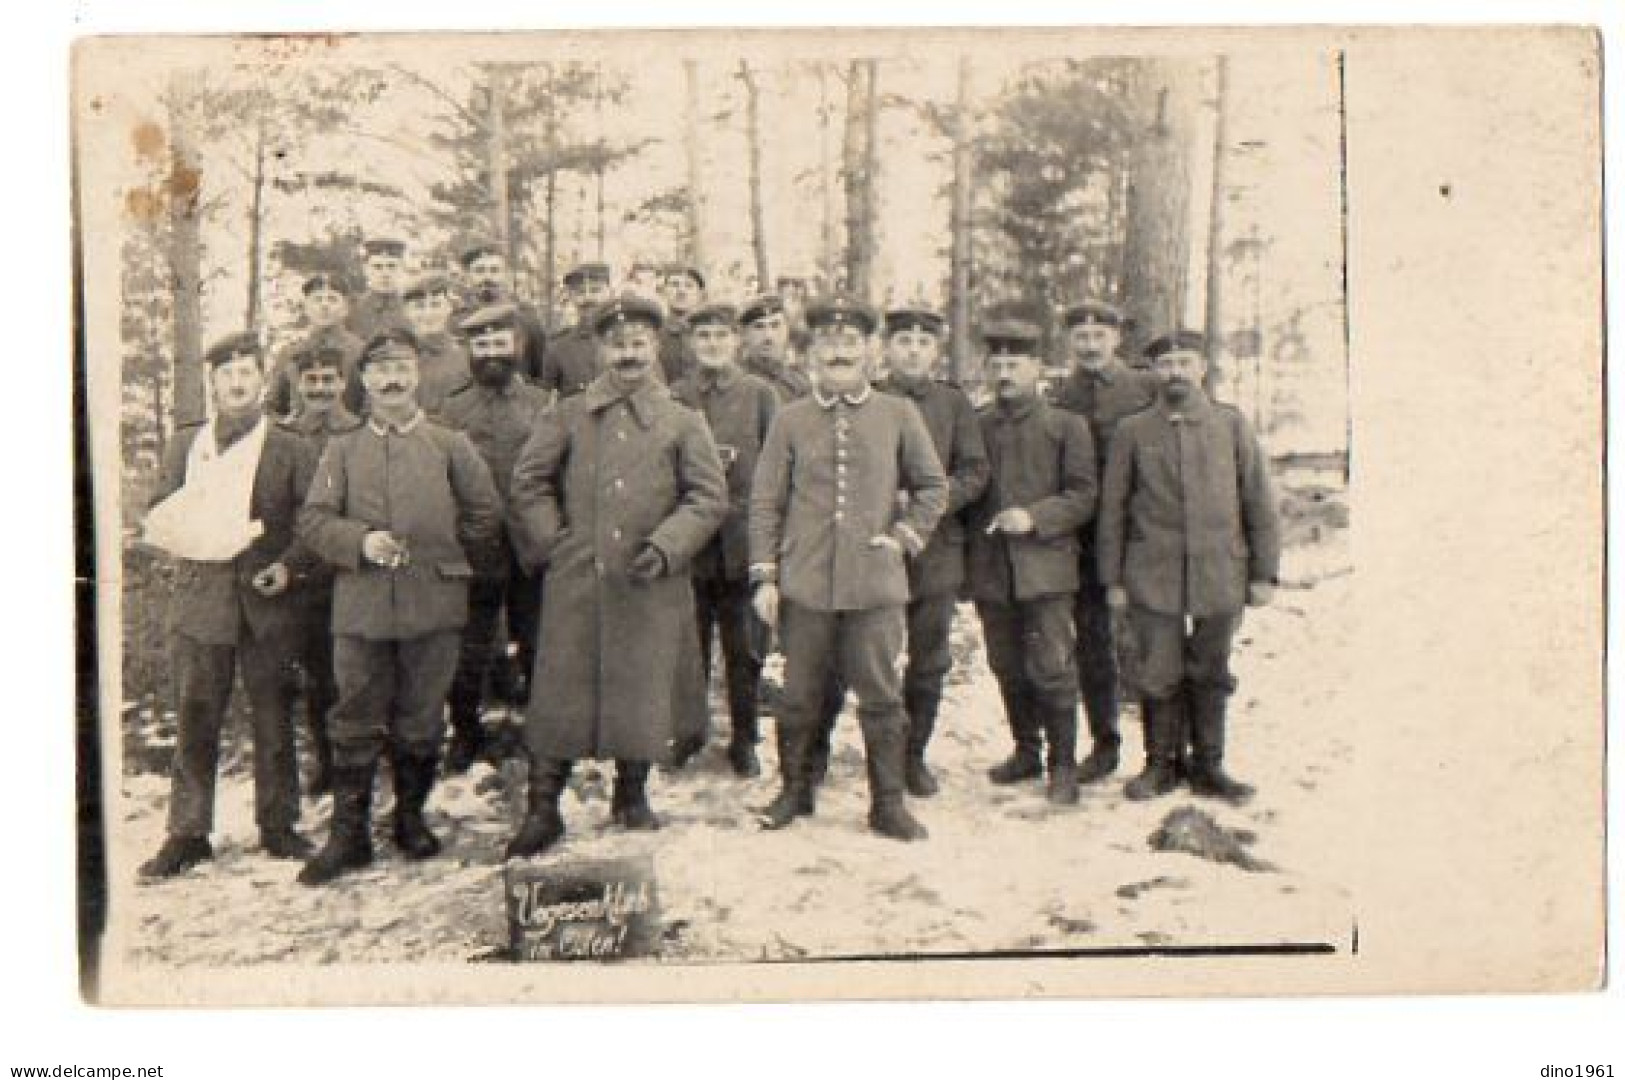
[431, 478]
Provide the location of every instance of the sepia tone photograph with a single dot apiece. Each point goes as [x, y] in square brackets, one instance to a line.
[695, 500]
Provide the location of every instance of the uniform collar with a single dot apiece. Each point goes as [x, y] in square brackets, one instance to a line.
[1020, 410]
[723, 380]
[383, 428]
[851, 399]
[771, 369]
[336, 418]
[1107, 375]
[903, 384]
[1195, 409]
[602, 393]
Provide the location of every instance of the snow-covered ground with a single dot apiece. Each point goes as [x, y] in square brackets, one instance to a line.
[1002, 869]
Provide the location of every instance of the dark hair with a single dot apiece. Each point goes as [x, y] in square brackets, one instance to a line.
[321, 355]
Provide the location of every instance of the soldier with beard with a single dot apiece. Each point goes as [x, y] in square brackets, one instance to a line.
[1188, 539]
[406, 513]
[827, 527]
[320, 415]
[572, 355]
[1103, 390]
[497, 411]
[485, 276]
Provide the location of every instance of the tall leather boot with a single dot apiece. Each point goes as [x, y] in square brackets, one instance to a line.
[349, 834]
[1100, 705]
[796, 797]
[884, 748]
[1026, 762]
[543, 825]
[1207, 719]
[414, 779]
[629, 805]
[1061, 731]
[1164, 723]
[823, 736]
[320, 781]
[921, 703]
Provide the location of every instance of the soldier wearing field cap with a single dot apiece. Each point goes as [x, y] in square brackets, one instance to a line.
[405, 512]
[739, 409]
[442, 358]
[1103, 390]
[913, 347]
[1023, 558]
[324, 306]
[497, 410]
[765, 331]
[225, 508]
[571, 363]
[484, 264]
[829, 532]
[319, 415]
[616, 491]
[1188, 539]
[379, 308]
[682, 287]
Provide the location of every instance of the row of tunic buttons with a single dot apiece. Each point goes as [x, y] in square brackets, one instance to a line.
[841, 426]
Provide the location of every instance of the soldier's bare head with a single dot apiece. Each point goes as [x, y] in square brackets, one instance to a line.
[320, 377]
[485, 268]
[325, 302]
[683, 289]
[428, 305]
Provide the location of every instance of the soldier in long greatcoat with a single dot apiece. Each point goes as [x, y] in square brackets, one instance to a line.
[617, 490]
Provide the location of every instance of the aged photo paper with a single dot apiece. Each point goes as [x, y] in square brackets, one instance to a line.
[1388, 243]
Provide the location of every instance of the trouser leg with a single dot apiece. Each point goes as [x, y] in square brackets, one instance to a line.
[478, 647]
[316, 657]
[360, 721]
[929, 621]
[808, 639]
[276, 764]
[424, 668]
[869, 644]
[1003, 637]
[743, 669]
[202, 675]
[1097, 675]
[523, 593]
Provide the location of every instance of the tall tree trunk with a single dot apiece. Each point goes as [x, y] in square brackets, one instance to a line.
[959, 299]
[852, 172]
[598, 166]
[256, 234]
[497, 159]
[694, 245]
[1217, 227]
[870, 245]
[1157, 245]
[183, 189]
[827, 265]
[550, 204]
[758, 215]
